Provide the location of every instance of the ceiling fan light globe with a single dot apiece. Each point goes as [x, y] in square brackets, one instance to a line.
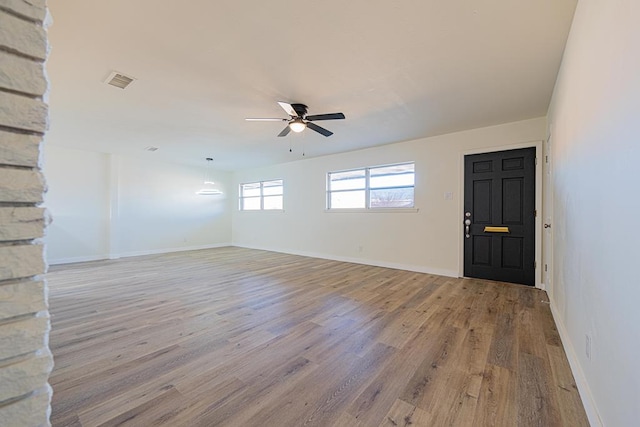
[297, 126]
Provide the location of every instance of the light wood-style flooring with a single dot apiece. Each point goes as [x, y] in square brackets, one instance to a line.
[240, 337]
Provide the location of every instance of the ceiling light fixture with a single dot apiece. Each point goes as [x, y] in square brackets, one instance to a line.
[297, 125]
[208, 188]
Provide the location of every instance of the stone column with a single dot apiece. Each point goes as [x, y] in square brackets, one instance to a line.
[25, 359]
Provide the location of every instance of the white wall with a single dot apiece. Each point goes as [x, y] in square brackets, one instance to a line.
[595, 155]
[105, 206]
[427, 240]
[160, 210]
[78, 200]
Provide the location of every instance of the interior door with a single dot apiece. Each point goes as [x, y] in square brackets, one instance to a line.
[499, 216]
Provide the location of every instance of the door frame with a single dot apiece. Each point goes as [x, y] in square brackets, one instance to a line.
[547, 204]
[538, 145]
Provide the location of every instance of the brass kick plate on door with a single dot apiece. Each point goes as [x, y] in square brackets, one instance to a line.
[496, 229]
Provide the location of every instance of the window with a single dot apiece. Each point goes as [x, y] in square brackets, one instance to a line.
[379, 187]
[263, 195]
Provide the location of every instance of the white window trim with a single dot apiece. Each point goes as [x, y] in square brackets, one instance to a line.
[367, 193]
[261, 196]
[262, 211]
[373, 210]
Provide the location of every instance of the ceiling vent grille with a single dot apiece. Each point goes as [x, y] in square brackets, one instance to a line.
[119, 80]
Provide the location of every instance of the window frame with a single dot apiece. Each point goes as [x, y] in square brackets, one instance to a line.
[261, 196]
[367, 189]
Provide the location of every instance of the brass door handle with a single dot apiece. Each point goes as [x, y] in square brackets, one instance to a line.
[496, 229]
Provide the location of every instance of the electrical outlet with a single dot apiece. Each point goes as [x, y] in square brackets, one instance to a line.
[587, 346]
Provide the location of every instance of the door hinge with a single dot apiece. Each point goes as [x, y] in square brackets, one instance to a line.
[545, 267]
[536, 161]
[546, 159]
[535, 264]
[535, 213]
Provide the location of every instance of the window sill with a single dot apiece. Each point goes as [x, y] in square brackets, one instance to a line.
[378, 210]
[261, 210]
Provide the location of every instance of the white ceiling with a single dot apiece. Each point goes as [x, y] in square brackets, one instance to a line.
[398, 70]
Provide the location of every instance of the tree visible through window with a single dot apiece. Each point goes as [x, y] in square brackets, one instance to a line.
[390, 186]
[263, 195]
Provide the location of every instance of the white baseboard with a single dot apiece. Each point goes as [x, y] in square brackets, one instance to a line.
[169, 250]
[134, 253]
[73, 260]
[578, 374]
[375, 263]
[397, 266]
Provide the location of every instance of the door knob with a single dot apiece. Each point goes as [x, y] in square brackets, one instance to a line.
[547, 226]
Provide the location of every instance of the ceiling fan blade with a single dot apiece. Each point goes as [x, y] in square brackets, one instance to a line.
[265, 120]
[300, 109]
[285, 131]
[288, 108]
[329, 116]
[319, 129]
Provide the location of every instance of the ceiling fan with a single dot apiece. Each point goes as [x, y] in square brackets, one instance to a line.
[298, 119]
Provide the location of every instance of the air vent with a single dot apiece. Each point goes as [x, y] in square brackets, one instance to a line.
[119, 80]
[151, 148]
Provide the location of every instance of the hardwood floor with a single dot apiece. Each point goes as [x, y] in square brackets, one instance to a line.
[240, 337]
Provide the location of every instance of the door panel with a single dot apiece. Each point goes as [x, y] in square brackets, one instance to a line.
[500, 192]
[512, 191]
[482, 201]
[482, 250]
[512, 252]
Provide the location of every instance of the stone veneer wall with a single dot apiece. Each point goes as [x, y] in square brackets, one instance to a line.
[25, 359]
